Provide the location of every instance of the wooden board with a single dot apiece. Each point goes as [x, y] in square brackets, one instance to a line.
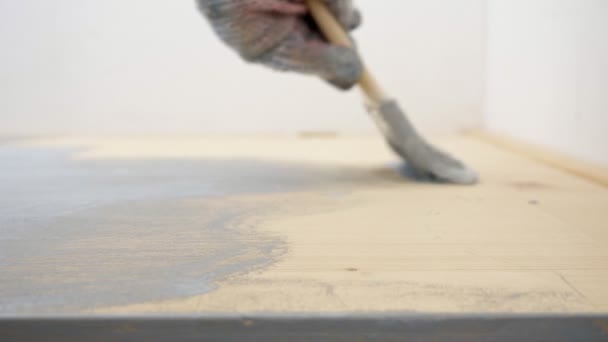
[286, 224]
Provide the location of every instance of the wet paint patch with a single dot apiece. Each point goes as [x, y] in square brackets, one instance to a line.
[134, 252]
[75, 235]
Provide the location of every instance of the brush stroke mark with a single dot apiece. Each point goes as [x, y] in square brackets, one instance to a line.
[75, 235]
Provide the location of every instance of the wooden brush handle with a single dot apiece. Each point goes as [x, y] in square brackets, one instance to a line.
[336, 34]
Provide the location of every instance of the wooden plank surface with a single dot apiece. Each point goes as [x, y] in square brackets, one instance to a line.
[593, 172]
[281, 224]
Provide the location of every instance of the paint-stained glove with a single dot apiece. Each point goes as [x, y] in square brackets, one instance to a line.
[282, 35]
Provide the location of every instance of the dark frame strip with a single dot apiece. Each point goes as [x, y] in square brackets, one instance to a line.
[291, 328]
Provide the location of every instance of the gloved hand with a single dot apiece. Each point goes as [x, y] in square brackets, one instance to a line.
[282, 35]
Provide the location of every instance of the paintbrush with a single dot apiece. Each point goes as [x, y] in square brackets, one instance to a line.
[421, 157]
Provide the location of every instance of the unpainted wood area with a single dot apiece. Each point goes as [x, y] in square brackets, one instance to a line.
[285, 224]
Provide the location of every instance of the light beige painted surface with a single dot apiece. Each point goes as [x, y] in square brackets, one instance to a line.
[547, 75]
[529, 238]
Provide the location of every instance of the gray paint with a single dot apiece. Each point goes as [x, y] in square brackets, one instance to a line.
[425, 159]
[79, 234]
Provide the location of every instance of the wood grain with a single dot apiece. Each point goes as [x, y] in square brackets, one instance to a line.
[529, 238]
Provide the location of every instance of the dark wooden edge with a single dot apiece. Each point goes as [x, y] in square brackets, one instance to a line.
[406, 327]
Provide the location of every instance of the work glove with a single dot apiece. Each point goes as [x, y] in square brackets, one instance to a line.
[282, 35]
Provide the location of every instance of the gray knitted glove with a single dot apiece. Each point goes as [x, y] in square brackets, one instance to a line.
[280, 34]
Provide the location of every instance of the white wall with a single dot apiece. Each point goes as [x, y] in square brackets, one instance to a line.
[547, 79]
[153, 66]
